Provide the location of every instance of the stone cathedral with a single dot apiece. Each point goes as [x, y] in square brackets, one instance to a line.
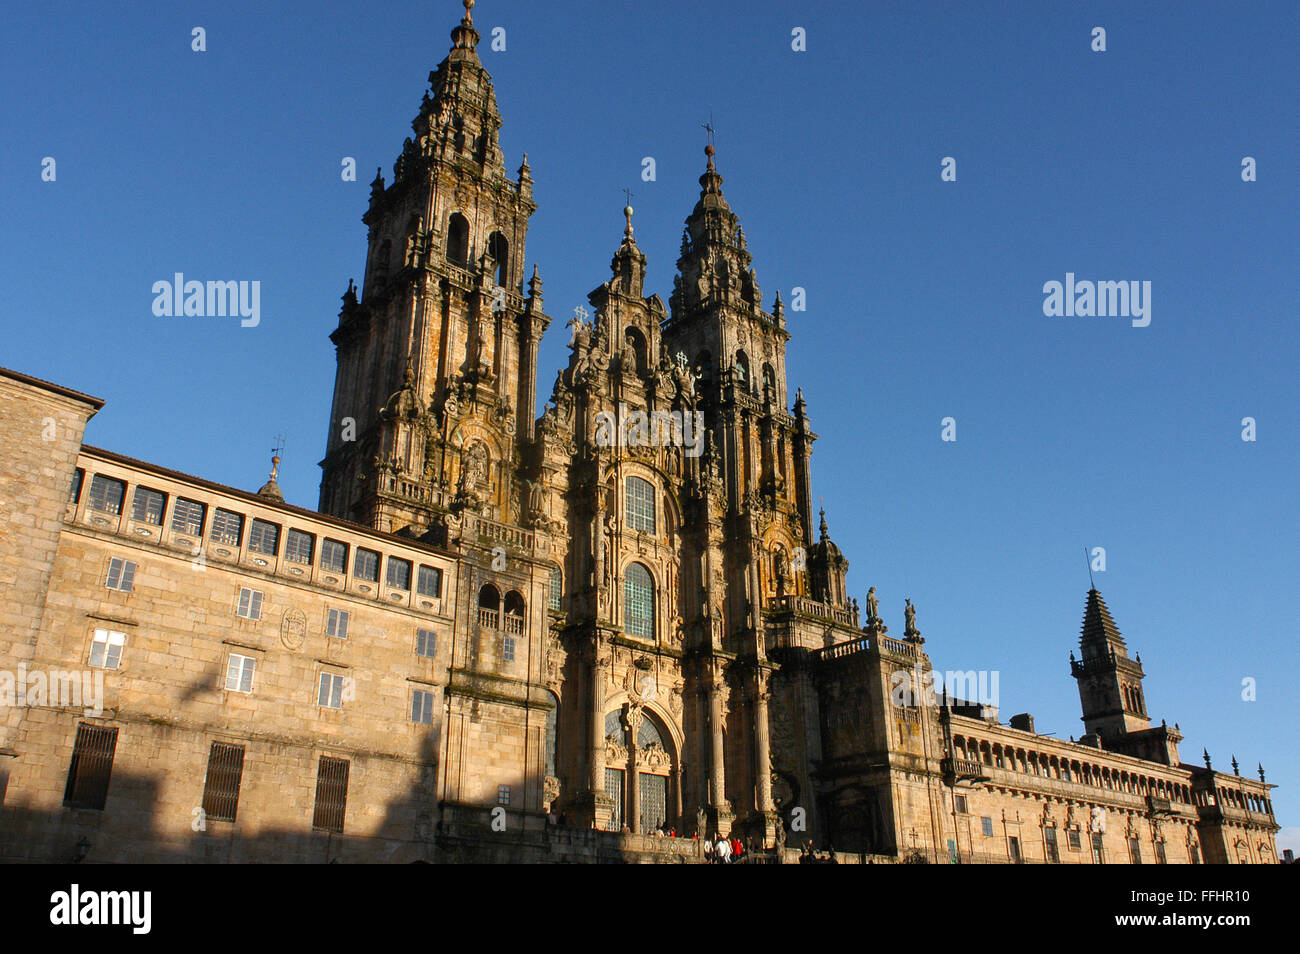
[516, 635]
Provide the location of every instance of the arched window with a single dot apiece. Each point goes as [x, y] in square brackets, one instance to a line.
[638, 602]
[499, 249]
[489, 606]
[552, 734]
[516, 610]
[458, 239]
[557, 588]
[640, 504]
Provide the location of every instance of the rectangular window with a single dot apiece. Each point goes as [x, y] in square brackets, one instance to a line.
[556, 595]
[1194, 852]
[264, 538]
[299, 547]
[331, 795]
[148, 506]
[106, 649]
[366, 566]
[91, 767]
[106, 494]
[74, 493]
[187, 516]
[239, 673]
[121, 575]
[1135, 851]
[221, 787]
[227, 527]
[1161, 857]
[960, 801]
[422, 707]
[336, 624]
[1073, 837]
[640, 504]
[331, 691]
[503, 794]
[986, 824]
[250, 603]
[1014, 844]
[399, 573]
[1053, 849]
[508, 648]
[429, 582]
[333, 556]
[426, 643]
[1097, 856]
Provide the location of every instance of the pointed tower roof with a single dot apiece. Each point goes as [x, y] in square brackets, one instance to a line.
[1098, 626]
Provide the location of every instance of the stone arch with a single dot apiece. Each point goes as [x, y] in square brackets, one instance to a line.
[458, 239]
[499, 249]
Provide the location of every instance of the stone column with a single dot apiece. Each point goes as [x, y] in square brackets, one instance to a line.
[597, 741]
[762, 745]
[717, 769]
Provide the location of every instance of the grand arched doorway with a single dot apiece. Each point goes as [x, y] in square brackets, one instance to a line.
[642, 774]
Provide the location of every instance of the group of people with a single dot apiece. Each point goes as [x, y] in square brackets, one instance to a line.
[724, 851]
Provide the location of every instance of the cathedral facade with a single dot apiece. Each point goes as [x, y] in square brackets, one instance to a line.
[512, 635]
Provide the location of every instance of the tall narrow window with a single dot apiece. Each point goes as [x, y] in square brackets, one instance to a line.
[330, 695]
[556, 596]
[147, 506]
[422, 707]
[106, 494]
[250, 603]
[638, 602]
[1097, 852]
[336, 624]
[331, 794]
[1135, 850]
[91, 767]
[458, 239]
[499, 249]
[640, 504]
[221, 787]
[74, 494]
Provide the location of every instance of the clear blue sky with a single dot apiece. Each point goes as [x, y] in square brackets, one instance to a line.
[924, 297]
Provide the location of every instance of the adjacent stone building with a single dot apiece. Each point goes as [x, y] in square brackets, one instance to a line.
[513, 636]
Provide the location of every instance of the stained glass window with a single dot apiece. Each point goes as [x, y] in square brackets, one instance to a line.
[640, 504]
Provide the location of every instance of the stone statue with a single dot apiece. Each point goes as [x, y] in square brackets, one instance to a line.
[873, 605]
[910, 615]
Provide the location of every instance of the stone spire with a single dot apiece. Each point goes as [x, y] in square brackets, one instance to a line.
[1110, 683]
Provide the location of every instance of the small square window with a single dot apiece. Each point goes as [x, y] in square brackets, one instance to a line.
[250, 603]
[106, 494]
[366, 566]
[227, 527]
[264, 538]
[986, 824]
[333, 556]
[429, 582]
[299, 547]
[239, 673]
[426, 643]
[187, 516]
[336, 624]
[422, 707]
[503, 794]
[399, 573]
[106, 649]
[508, 648]
[121, 575]
[148, 506]
[331, 691]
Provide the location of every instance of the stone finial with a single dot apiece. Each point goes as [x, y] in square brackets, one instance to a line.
[1261, 772]
[1235, 769]
[1205, 754]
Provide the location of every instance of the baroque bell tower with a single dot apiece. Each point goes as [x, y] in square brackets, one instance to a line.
[434, 394]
